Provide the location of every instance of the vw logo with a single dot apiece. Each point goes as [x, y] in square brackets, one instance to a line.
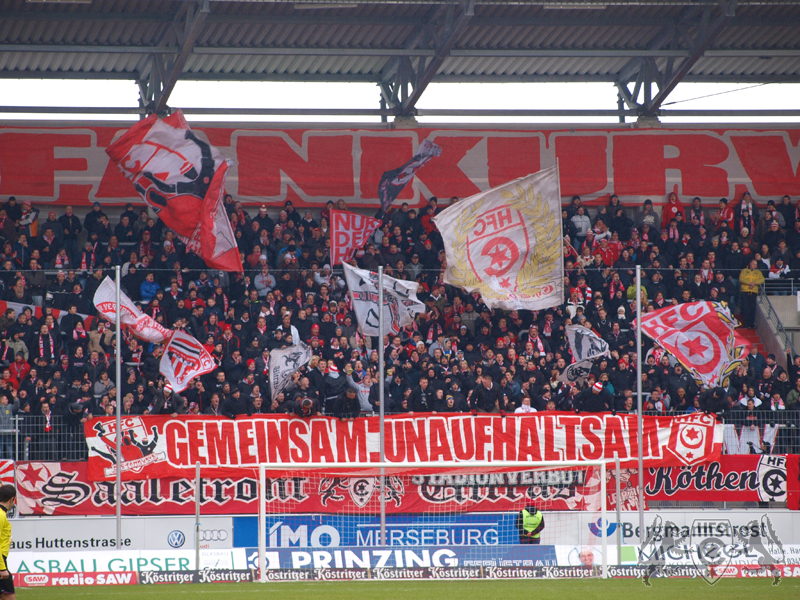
[213, 535]
[176, 539]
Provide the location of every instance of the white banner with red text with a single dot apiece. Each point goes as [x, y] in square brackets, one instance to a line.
[170, 447]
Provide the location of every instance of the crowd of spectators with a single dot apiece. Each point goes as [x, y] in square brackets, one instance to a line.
[460, 356]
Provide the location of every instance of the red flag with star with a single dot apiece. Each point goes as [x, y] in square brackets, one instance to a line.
[701, 335]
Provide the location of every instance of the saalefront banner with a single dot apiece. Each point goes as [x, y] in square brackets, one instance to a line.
[156, 446]
[53, 488]
[47, 163]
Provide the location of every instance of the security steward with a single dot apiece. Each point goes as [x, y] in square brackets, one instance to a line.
[530, 523]
[8, 497]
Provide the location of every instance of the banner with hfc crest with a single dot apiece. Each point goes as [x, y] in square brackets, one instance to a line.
[507, 243]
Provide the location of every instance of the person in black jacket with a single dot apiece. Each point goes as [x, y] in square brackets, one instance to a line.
[487, 396]
[421, 398]
[168, 403]
[714, 401]
[593, 399]
[306, 408]
[235, 405]
[374, 396]
[347, 405]
[333, 387]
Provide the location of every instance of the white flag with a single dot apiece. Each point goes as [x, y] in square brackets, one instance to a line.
[400, 302]
[507, 243]
[183, 359]
[284, 363]
[586, 346]
[140, 324]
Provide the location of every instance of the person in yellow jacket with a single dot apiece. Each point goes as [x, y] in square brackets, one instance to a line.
[8, 497]
[749, 281]
[530, 523]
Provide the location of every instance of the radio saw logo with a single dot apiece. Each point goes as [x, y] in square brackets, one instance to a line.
[138, 448]
[361, 489]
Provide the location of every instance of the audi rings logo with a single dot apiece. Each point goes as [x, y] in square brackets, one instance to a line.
[213, 535]
[176, 539]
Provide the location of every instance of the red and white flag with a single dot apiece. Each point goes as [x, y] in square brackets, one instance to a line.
[140, 324]
[182, 178]
[701, 336]
[183, 359]
[349, 232]
[507, 243]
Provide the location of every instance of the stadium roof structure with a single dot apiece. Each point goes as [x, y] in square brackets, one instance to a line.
[644, 47]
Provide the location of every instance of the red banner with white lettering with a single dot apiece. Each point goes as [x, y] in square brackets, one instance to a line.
[155, 446]
[732, 478]
[54, 488]
[349, 233]
[67, 165]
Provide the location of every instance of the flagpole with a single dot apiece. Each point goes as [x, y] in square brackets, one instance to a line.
[118, 360]
[382, 410]
[639, 419]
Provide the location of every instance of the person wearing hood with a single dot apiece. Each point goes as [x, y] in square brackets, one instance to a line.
[672, 209]
[334, 385]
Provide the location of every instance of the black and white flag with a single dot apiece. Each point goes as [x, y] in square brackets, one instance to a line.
[400, 302]
[586, 346]
[392, 182]
[284, 363]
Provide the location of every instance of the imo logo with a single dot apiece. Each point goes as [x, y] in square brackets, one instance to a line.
[597, 528]
[176, 539]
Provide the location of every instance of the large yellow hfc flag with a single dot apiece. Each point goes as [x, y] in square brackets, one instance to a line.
[507, 243]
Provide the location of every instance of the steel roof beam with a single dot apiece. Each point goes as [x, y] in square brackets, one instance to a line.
[705, 37]
[327, 18]
[368, 112]
[412, 53]
[444, 41]
[375, 77]
[195, 20]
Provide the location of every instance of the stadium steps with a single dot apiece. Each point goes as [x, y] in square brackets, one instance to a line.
[751, 336]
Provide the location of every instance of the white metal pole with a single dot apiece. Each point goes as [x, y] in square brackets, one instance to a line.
[604, 519]
[197, 491]
[262, 523]
[118, 383]
[381, 400]
[619, 510]
[639, 419]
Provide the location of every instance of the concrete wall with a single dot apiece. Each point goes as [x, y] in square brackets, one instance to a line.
[786, 309]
